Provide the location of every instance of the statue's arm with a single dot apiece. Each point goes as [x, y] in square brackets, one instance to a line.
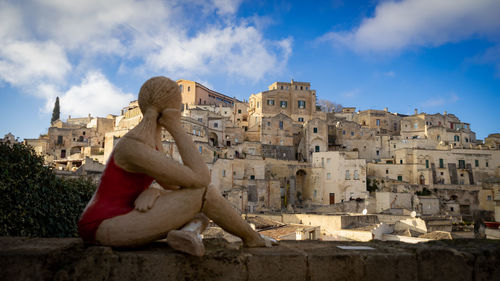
[137, 157]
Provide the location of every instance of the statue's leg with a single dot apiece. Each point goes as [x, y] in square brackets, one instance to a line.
[224, 215]
[188, 239]
[172, 210]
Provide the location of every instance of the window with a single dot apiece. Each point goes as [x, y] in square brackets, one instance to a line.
[343, 132]
[236, 140]
[63, 153]
[356, 175]
[378, 122]
[378, 153]
[189, 88]
[347, 176]
[282, 87]
[441, 163]
[252, 177]
[488, 198]
[83, 133]
[486, 164]
[316, 148]
[386, 171]
[461, 164]
[59, 139]
[181, 87]
[302, 104]
[301, 88]
[283, 103]
[194, 132]
[476, 163]
[270, 102]
[466, 140]
[401, 161]
[239, 111]
[223, 173]
[216, 125]
[258, 104]
[415, 126]
[268, 124]
[438, 138]
[315, 130]
[200, 120]
[200, 149]
[281, 125]
[328, 160]
[352, 133]
[301, 119]
[427, 164]
[456, 138]
[400, 178]
[315, 193]
[328, 176]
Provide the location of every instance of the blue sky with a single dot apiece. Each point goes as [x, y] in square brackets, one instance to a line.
[433, 55]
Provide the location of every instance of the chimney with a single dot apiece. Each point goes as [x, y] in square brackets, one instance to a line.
[416, 111]
[386, 109]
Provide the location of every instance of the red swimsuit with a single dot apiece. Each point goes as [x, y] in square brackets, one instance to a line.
[115, 196]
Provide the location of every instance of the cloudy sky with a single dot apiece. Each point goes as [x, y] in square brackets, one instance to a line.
[433, 55]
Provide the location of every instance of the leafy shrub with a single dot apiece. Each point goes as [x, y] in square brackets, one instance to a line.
[34, 202]
[424, 192]
[371, 186]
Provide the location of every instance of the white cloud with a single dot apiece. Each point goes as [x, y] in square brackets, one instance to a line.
[24, 63]
[95, 95]
[48, 44]
[440, 100]
[421, 23]
[351, 93]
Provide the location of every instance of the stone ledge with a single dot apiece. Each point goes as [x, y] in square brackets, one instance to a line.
[69, 259]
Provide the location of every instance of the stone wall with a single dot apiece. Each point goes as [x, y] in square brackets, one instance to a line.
[68, 259]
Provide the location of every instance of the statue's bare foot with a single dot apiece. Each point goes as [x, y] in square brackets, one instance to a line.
[261, 241]
[186, 241]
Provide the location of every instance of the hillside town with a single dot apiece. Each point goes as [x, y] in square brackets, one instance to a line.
[310, 170]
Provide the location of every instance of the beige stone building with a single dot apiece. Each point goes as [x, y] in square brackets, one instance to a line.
[295, 99]
[342, 177]
[194, 93]
[382, 121]
[437, 167]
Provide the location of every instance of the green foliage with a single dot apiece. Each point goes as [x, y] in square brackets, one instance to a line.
[424, 192]
[34, 202]
[371, 186]
[56, 112]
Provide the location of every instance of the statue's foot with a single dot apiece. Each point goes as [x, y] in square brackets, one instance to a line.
[186, 241]
[261, 241]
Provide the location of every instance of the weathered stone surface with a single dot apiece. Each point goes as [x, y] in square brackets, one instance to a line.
[437, 235]
[415, 225]
[69, 259]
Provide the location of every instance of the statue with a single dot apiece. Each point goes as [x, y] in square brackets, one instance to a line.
[126, 211]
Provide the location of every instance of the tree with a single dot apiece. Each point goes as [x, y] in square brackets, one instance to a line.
[36, 203]
[328, 106]
[56, 112]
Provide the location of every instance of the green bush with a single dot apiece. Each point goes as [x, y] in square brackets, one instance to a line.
[34, 202]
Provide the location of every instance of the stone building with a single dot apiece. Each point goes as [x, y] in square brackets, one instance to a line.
[342, 177]
[437, 167]
[383, 121]
[296, 100]
[194, 93]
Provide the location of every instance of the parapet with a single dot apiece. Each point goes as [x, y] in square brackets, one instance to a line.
[69, 259]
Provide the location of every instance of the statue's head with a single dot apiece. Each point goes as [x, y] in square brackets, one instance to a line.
[159, 93]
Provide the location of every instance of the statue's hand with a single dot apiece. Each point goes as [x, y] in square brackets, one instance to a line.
[146, 199]
[170, 119]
